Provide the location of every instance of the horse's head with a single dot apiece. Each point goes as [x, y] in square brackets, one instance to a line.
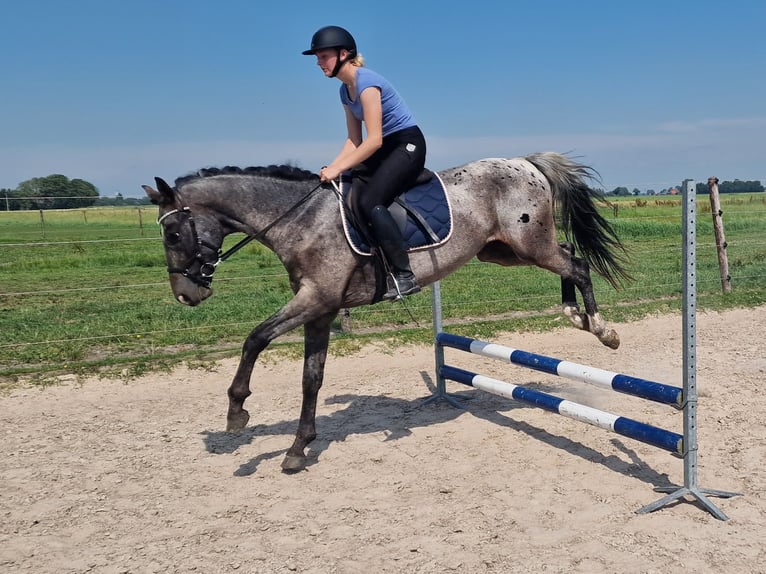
[192, 241]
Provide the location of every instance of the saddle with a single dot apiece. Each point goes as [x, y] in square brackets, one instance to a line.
[423, 213]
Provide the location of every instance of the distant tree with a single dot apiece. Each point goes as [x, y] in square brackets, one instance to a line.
[650, 192]
[55, 191]
[116, 200]
[636, 191]
[28, 193]
[137, 201]
[739, 186]
[82, 189]
[619, 191]
[119, 200]
[736, 186]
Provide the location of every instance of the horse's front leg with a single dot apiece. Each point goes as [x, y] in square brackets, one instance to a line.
[316, 341]
[237, 417]
[300, 309]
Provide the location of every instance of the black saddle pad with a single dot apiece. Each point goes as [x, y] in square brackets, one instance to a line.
[423, 213]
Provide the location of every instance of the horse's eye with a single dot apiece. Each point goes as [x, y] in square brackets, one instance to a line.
[172, 238]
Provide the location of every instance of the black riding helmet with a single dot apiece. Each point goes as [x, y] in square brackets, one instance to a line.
[333, 37]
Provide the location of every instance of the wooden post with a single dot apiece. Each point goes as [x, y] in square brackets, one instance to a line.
[345, 320]
[720, 238]
[42, 223]
[140, 222]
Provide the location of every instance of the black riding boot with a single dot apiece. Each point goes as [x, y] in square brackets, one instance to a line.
[402, 281]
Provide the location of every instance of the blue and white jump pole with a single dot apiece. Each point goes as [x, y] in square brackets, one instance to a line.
[606, 379]
[685, 398]
[661, 438]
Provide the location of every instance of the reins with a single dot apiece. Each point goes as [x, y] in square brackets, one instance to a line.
[240, 244]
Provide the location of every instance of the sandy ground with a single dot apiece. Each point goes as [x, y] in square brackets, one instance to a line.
[113, 477]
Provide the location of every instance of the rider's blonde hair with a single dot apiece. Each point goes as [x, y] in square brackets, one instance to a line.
[358, 61]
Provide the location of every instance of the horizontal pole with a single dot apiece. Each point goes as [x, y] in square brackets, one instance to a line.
[625, 384]
[630, 428]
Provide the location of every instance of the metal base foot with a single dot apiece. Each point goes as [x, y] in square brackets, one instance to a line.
[453, 400]
[678, 493]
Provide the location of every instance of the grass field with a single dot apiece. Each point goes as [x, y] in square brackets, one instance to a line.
[84, 289]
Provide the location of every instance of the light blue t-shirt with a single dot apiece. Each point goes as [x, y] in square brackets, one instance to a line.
[396, 114]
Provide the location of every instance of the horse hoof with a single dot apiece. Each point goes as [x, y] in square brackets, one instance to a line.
[293, 463]
[236, 423]
[611, 339]
[572, 312]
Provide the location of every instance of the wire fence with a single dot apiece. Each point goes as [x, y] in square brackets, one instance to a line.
[82, 286]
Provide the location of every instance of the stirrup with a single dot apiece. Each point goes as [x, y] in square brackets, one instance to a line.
[399, 287]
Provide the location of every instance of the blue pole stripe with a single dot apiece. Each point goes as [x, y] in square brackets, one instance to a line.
[536, 362]
[537, 398]
[626, 384]
[455, 341]
[648, 390]
[458, 375]
[658, 437]
[630, 428]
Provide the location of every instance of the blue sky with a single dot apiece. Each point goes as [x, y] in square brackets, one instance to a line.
[115, 92]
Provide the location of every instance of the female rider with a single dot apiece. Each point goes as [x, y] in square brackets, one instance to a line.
[386, 161]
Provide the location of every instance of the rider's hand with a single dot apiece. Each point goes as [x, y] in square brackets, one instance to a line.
[329, 173]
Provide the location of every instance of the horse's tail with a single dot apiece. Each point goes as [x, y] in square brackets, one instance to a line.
[581, 222]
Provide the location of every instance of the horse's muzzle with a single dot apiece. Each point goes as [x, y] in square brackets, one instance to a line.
[188, 292]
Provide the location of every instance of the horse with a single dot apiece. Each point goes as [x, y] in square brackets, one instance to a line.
[503, 212]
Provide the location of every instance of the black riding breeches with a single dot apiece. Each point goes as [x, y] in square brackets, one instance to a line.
[389, 171]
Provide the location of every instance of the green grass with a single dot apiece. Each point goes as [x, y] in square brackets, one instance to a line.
[87, 289]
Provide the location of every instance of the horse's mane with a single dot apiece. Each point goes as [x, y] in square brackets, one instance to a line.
[286, 172]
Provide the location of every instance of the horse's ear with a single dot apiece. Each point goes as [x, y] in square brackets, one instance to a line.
[154, 195]
[163, 195]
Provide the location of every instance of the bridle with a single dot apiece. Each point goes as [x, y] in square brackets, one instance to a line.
[204, 276]
[207, 266]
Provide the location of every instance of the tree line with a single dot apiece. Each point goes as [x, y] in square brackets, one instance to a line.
[57, 191]
[736, 186]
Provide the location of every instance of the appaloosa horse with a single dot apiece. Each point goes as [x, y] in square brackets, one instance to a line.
[503, 212]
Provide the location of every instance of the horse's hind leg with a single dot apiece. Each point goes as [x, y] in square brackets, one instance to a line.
[569, 305]
[578, 273]
[317, 339]
[574, 272]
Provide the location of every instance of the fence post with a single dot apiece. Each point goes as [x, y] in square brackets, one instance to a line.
[720, 237]
[42, 223]
[140, 222]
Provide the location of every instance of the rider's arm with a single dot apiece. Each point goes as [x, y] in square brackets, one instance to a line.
[355, 150]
